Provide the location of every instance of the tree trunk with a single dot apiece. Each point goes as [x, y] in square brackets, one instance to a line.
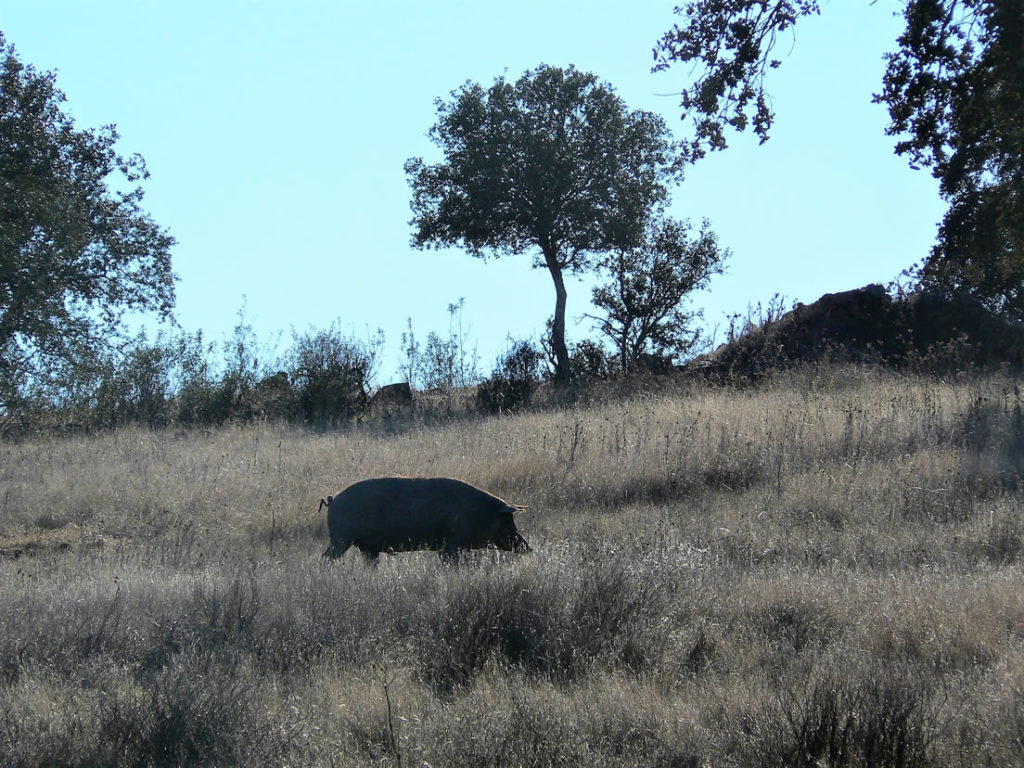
[558, 324]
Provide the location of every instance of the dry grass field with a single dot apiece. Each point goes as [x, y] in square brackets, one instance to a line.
[824, 569]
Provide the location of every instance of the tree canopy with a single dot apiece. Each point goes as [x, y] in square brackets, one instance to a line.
[76, 249]
[643, 299]
[954, 92]
[553, 164]
[730, 42]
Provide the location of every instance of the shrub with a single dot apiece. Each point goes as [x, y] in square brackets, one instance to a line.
[589, 360]
[560, 625]
[870, 718]
[135, 386]
[513, 382]
[446, 363]
[332, 374]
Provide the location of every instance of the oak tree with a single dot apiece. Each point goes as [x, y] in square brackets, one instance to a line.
[955, 92]
[76, 248]
[554, 165]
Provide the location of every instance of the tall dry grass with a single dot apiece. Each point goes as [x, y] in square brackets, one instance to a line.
[823, 569]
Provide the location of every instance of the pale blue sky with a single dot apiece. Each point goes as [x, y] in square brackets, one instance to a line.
[275, 133]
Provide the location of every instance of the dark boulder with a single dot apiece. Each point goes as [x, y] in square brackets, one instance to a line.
[392, 397]
[868, 325]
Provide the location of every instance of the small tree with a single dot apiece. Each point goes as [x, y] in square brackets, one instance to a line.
[554, 163]
[75, 254]
[643, 299]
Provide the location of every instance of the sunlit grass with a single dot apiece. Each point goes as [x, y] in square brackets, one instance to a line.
[798, 572]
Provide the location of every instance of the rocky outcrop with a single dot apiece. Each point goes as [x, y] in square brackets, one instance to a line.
[868, 325]
[392, 396]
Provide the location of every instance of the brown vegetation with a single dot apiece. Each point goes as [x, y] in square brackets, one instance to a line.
[822, 569]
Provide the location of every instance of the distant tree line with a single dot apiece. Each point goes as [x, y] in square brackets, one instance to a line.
[324, 379]
[77, 252]
[178, 378]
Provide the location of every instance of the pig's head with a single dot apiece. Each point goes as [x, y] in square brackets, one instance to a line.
[507, 536]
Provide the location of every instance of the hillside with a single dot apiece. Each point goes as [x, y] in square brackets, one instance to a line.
[821, 568]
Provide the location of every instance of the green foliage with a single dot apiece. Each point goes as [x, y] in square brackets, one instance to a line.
[954, 94]
[200, 398]
[440, 357]
[554, 164]
[235, 393]
[514, 380]
[54, 396]
[176, 379]
[446, 362]
[953, 91]
[135, 381]
[136, 387]
[76, 248]
[589, 360]
[332, 373]
[647, 287]
[730, 42]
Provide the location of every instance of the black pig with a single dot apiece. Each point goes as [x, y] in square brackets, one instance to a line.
[399, 514]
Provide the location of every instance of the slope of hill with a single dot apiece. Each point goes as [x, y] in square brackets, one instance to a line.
[822, 568]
